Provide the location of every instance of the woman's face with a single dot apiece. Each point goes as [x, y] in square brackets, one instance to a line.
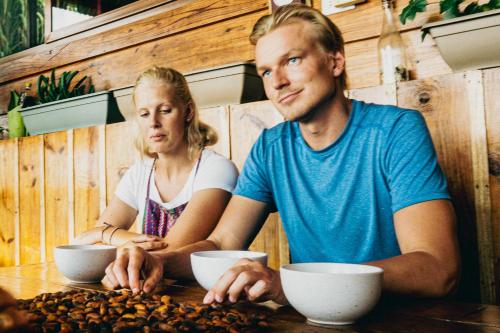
[161, 117]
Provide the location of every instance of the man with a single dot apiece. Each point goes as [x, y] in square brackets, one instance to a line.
[353, 182]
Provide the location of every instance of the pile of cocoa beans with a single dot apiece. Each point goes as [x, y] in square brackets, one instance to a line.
[121, 311]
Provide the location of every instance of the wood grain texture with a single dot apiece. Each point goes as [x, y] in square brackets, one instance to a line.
[385, 94]
[218, 118]
[9, 201]
[445, 105]
[86, 177]
[120, 154]
[479, 155]
[247, 122]
[30, 188]
[56, 191]
[491, 81]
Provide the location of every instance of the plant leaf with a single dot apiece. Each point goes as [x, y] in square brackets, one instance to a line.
[449, 8]
[413, 7]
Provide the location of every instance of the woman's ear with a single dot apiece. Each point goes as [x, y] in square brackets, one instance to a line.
[189, 112]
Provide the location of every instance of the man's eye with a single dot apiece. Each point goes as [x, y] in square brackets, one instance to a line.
[266, 73]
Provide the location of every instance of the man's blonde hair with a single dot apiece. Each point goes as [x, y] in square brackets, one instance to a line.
[197, 134]
[326, 32]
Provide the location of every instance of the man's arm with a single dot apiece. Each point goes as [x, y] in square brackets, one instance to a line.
[430, 261]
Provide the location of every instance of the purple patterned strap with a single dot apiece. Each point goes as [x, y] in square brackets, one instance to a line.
[158, 220]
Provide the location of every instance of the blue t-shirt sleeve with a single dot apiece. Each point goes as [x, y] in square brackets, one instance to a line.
[253, 182]
[413, 173]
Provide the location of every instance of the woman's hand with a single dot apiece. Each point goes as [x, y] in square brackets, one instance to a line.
[126, 270]
[146, 242]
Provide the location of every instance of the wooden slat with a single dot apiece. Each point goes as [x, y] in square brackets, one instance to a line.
[86, 177]
[247, 122]
[218, 118]
[120, 154]
[385, 94]
[56, 192]
[8, 202]
[30, 189]
[492, 108]
[445, 105]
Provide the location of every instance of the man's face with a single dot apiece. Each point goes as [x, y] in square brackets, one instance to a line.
[298, 75]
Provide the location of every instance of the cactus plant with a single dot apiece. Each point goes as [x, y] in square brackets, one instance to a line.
[49, 89]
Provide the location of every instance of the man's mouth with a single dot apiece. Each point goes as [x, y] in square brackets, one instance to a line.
[288, 97]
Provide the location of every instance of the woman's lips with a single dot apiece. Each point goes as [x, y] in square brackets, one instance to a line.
[157, 138]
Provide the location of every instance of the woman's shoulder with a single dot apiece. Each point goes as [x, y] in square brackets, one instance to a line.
[140, 167]
[217, 169]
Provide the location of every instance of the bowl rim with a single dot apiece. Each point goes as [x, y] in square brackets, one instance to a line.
[87, 247]
[207, 254]
[372, 270]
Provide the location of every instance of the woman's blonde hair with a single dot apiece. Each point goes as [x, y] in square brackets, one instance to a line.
[327, 33]
[198, 134]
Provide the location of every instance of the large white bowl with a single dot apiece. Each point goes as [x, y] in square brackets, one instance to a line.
[84, 263]
[330, 293]
[209, 266]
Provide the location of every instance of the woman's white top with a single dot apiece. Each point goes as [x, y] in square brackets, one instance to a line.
[214, 172]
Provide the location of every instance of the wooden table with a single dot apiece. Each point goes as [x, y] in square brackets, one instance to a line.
[389, 316]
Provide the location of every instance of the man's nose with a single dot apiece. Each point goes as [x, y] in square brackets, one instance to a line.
[279, 79]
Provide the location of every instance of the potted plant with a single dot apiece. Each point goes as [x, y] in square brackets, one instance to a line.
[469, 35]
[65, 106]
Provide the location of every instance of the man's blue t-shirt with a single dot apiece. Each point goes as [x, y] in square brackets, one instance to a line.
[337, 204]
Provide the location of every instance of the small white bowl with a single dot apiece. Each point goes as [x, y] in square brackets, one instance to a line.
[209, 266]
[84, 263]
[331, 293]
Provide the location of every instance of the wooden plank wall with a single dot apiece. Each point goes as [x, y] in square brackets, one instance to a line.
[54, 186]
[201, 34]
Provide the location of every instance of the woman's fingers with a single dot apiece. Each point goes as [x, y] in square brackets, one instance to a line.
[109, 280]
[153, 271]
[135, 263]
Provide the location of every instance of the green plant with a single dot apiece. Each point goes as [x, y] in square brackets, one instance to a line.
[50, 90]
[13, 27]
[15, 99]
[447, 8]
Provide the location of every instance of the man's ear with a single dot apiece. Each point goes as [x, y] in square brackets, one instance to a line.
[338, 61]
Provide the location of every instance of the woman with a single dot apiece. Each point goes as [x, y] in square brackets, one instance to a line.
[178, 189]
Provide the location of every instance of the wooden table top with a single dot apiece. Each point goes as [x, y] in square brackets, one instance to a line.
[389, 316]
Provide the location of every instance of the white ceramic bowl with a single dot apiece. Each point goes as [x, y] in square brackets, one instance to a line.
[330, 293]
[209, 266]
[84, 263]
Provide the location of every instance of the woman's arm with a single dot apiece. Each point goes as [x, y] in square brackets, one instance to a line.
[119, 215]
[199, 218]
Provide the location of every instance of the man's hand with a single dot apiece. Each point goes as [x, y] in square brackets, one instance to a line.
[147, 242]
[126, 270]
[259, 283]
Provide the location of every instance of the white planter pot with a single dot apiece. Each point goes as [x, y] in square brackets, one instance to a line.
[82, 111]
[469, 42]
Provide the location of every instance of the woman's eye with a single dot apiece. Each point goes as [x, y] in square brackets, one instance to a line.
[143, 115]
[166, 110]
[294, 60]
